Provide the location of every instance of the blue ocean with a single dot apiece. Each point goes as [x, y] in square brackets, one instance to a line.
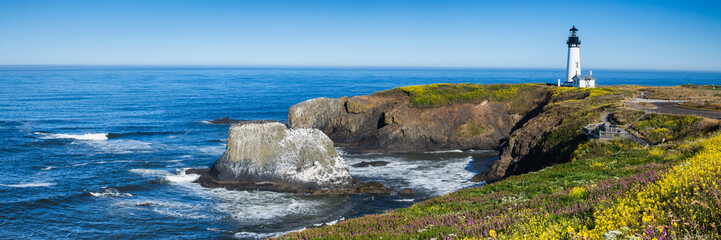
[100, 152]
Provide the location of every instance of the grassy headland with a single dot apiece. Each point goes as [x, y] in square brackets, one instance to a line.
[605, 189]
[702, 97]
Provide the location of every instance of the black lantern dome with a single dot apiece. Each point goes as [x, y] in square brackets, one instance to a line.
[573, 38]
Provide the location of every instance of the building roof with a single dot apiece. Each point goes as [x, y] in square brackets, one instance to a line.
[573, 29]
[584, 77]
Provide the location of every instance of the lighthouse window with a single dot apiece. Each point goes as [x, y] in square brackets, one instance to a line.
[576, 64]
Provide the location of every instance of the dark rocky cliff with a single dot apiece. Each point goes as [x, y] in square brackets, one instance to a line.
[391, 123]
[533, 126]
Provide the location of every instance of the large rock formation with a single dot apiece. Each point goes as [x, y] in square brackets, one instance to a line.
[533, 126]
[391, 124]
[550, 136]
[269, 156]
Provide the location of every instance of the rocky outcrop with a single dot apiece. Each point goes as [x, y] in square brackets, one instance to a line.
[550, 135]
[269, 156]
[370, 164]
[391, 124]
[523, 152]
[225, 121]
[531, 128]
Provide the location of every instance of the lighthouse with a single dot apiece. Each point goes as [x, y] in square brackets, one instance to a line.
[573, 66]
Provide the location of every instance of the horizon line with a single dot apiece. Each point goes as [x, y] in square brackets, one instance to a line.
[5, 67]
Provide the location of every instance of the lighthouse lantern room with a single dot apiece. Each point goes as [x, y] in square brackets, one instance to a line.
[573, 67]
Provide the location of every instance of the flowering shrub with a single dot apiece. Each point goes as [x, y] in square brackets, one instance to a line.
[639, 192]
[684, 201]
[658, 127]
[577, 192]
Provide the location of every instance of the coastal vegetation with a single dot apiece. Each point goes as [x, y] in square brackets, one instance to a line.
[596, 190]
[519, 96]
[612, 188]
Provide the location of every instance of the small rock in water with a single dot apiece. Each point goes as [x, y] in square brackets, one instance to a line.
[226, 121]
[406, 191]
[144, 204]
[371, 164]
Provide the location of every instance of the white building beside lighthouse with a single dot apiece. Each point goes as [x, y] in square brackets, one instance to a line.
[573, 66]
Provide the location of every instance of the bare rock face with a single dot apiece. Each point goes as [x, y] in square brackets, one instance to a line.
[266, 155]
[523, 152]
[270, 152]
[370, 123]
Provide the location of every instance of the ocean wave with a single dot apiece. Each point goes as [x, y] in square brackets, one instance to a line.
[255, 235]
[79, 164]
[130, 134]
[32, 184]
[262, 206]
[433, 176]
[474, 151]
[86, 136]
[48, 168]
[404, 200]
[169, 208]
[181, 177]
[328, 223]
[150, 172]
[119, 146]
[112, 192]
[447, 151]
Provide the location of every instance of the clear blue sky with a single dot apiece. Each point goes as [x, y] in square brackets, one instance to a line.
[675, 35]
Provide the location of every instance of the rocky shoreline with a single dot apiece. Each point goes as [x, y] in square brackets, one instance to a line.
[267, 156]
[529, 124]
[354, 188]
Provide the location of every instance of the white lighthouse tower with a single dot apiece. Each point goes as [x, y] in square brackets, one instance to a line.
[573, 67]
[574, 56]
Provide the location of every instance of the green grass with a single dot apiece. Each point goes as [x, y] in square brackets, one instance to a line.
[660, 127]
[565, 194]
[557, 202]
[519, 96]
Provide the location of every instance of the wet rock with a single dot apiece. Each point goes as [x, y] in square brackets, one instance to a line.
[270, 152]
[266, 155]
[354, 188]
[371, 164]
[225, 121]
[406, 191]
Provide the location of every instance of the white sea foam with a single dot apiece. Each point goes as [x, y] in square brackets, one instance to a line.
[79, 164]
[482, 151]
[405, 200]
[262, 206]
[32, 184]
[112, 192]
[87, 136]
[206, 122]
[150, 172]
[48, 168]
[447, 151]
[328, 223]
[435, 176]
[255, 235]
[119, 146]
[181, 177]
[169, 208]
